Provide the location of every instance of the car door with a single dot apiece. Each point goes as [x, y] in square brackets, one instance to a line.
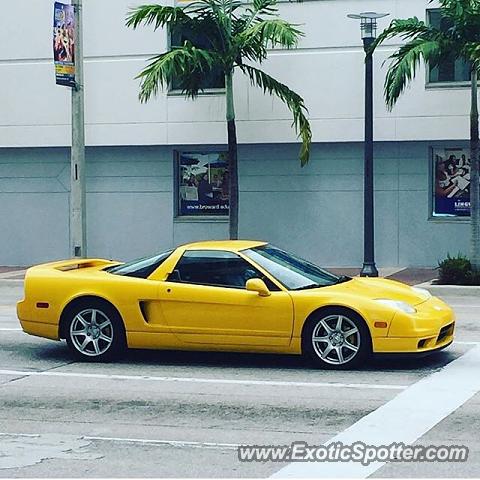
[205, 301]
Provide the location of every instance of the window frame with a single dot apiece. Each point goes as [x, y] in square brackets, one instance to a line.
[266, 278]
[175, 92]
[452, 84]
[432, 216]
[151, 268]
[177, 216]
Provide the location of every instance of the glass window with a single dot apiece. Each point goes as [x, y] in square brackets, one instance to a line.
[450, 69]
[293, 272]
[202, 184]
[451, 182]
[214, 79]
[141, 268]
[216, 268]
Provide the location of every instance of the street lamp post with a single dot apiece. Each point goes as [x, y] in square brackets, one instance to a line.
[369, 33]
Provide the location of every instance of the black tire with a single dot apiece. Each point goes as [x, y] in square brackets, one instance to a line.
[103, 338]
[342, 354]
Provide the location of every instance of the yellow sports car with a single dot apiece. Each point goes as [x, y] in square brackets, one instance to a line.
[243, 296]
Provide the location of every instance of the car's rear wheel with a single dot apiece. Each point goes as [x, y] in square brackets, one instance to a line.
[95, 332]
[336, 339]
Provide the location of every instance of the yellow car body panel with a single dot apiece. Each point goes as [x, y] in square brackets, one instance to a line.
[161, 314]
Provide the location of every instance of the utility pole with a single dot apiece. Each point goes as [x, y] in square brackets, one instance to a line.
[78, 230]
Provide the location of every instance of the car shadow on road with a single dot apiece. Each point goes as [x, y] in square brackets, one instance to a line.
[283, 362]
[58, 353]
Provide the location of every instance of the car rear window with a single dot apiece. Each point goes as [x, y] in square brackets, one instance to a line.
[140, 268]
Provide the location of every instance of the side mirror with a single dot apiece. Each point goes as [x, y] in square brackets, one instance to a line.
[258, 285]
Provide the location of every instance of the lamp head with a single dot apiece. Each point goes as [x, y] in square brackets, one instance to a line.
[368, 23]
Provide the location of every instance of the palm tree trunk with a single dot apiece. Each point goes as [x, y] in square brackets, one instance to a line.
[474, 176]
[232, 157]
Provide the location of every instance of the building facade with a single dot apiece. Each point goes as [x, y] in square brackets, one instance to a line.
[145, 162]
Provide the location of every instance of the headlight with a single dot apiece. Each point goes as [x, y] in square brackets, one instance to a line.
[398, 305]
[422, 291]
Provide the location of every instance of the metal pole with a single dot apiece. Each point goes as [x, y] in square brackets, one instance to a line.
[78, 237]
[369, 269]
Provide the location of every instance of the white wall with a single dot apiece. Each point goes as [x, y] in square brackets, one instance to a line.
[327, 69]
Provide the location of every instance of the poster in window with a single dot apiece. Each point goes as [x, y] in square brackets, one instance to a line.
[203, 184]
[64, 44]
[451, 172]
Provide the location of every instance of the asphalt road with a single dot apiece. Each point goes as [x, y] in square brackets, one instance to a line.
[175, 414]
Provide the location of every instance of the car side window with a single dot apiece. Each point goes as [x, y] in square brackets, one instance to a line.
[216, 268]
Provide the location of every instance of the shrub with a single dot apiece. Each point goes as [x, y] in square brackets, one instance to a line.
[473, 278]
[457, 271]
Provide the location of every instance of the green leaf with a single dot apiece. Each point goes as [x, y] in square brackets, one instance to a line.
[157, 15]
[405, 63]
[188, 63]
[271, 33]
[423, 44]
[292, 100]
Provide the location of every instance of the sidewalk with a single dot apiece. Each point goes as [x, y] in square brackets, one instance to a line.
[410, 276]
[12, 273]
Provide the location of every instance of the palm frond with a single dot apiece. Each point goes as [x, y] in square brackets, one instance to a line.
[260, 8]
[406, 30]
[215, 19]
[459, 11]
[471, 52]
[292, 100]
[405, 63]
[272, 32]
[156, 15]
[188, 64]
[202, 7]
[424, 43]
[464, 17]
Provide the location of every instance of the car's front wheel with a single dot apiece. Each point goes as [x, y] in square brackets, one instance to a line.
[95, 332]
[336, 339]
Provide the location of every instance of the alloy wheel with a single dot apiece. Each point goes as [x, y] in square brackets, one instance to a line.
[336, 339]
[91, 332]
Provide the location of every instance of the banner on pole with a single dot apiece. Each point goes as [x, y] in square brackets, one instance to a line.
[64, 44]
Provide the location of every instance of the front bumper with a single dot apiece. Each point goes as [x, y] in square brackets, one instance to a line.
[431, 328]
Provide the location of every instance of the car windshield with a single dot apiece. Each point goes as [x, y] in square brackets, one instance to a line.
[293, 272]
[141, 268]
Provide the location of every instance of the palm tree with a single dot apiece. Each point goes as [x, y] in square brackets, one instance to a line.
[238, 36]
[427, 44]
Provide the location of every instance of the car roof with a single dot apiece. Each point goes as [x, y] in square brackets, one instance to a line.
[234, 245]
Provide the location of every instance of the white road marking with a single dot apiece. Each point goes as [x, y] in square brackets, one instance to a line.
[463, 305]
[225, 381]
[12, 273]
[467, 343]
[20, 451]
[11, 330]
[142, 441]
[405, 418]
[173, 443]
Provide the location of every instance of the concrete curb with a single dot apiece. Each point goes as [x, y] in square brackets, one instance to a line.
[455, 290]
[7, 283]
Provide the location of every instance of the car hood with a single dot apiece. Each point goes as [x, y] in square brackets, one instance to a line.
[381, 288]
